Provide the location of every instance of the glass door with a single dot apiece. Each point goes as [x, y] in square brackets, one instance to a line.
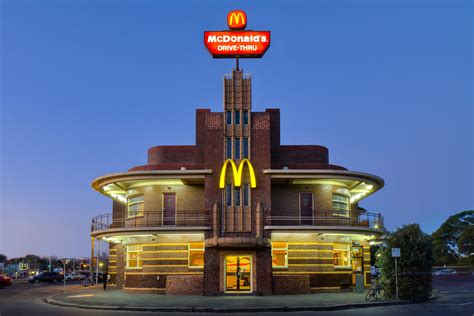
[169, 209]
[238, 274]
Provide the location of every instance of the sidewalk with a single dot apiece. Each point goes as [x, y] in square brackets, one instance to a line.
[117, 300]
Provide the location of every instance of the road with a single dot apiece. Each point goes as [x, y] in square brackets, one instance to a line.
[456, 298]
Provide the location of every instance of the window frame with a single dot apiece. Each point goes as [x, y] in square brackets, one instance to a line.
[228, 149]
[129, 212]
[245, 118]
[228, 195]
[138, 259]
[237, 151]
[228, 117]
[237, 117]
[348, 250]
[245, 148]
[237, 197]
[338, 211]
[286, 255]
[246, 196]
[195, 249]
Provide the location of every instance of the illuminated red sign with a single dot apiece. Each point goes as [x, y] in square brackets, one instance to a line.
[237, 43]
[231, 44]
[237, 20]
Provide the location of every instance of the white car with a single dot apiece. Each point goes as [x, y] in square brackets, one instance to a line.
[445, 272]
[73, 276]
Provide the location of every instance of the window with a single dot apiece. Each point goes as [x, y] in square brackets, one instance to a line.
[357, 258]
[246, 189]
[237, 148]
[246, 117]
[342, 255]
[228, 148]
[228, 195]
[237, 117]
[237, 197]
[134, 257]
[228, 117]
[196, 255]
[279, 254]
[340, 204]
[136, 206]
[246, 147]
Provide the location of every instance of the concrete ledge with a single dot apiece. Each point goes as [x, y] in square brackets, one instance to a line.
[52, 301]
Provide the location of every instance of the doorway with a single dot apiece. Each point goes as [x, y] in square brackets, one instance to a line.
[306, 208]
[169, 209]
[238, 274]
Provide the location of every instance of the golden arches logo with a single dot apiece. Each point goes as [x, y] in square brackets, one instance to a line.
[237, 20]
[237, 173]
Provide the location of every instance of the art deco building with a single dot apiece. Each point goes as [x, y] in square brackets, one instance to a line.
[238, 212]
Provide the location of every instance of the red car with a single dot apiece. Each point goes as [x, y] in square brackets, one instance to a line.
[5, 281]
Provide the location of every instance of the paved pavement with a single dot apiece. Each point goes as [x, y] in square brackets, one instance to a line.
[456, 298]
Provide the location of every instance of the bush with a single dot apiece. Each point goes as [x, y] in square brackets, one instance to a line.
[414, 265]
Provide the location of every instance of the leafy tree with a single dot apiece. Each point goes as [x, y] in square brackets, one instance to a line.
[445, 240]
[3, 258]
[466, 241]
[414, 265]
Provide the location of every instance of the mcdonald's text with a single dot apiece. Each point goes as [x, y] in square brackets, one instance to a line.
[231, 44]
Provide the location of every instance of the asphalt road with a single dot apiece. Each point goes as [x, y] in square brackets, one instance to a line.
[456, 299]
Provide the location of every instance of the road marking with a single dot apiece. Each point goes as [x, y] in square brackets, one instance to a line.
[80, 295]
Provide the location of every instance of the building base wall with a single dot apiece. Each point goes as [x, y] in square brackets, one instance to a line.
[184, 285]
[291, 284]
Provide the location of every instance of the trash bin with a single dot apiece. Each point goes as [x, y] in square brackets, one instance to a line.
[359, 283]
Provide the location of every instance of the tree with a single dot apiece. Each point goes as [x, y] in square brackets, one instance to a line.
[445, 240]
[414, 265]
[466, 241]
[3, 258]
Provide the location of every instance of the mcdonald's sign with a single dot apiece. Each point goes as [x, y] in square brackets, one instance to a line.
[237, 43]
[237, 20]
[237, 173]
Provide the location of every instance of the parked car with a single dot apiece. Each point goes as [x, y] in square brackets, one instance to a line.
[51, 277]
[74, 276]
[445, 272]
[5, 281]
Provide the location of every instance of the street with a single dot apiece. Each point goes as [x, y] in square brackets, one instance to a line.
[456, 298]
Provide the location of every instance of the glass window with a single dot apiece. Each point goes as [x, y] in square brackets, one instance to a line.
[237, 197]
[237, 117]
[228, 117]
[340, 204]
[136, 206]
[228, 195]
[237, 148]
[246, 194]
[228, 148]
[357, 258]
[279, 254]
[246, 117]
[342, 255]
[196, 254]
[246, 147]
[134, 254]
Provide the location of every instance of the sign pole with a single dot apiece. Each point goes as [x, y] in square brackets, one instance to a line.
[396, 279]
[64, 275]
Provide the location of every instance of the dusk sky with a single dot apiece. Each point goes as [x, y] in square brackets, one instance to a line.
[88, 86]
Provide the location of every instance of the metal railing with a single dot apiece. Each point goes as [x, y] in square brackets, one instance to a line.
[325, 218]
[182, 218]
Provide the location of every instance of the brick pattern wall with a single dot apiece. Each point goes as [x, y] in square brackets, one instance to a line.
[184, 285]
[291, 284]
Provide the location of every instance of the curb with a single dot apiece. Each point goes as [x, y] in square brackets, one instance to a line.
[52, 301]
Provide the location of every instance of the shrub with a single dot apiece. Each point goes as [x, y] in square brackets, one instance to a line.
[414, 265]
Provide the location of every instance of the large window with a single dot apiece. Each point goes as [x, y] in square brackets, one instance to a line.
[237, 148]
[246, 189]
[228, 117]
[246, 147]
[237, 117]
[340, 205]
[136, 206]
[134, 254]
[196, 254]
[228, 148]
[246, 117]
[342, 255]
[228, 195]
[279, 254]
[236, 196]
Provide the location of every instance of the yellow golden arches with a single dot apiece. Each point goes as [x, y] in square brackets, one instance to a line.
[237, 173]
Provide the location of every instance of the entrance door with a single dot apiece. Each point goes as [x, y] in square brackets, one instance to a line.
[169, 209]
[238, 274]
[306, 208]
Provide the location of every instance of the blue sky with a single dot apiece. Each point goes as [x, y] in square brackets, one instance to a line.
[88, 86]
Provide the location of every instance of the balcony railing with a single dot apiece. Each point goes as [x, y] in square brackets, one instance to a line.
[183, 218]
[326, 218]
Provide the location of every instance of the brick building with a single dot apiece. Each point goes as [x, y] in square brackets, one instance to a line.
[237, 212]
